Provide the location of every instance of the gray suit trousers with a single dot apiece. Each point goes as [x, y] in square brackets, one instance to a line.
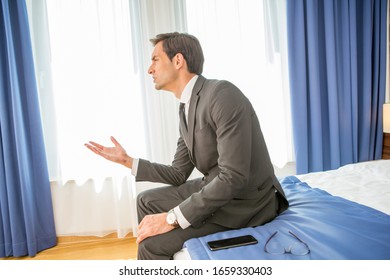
[159, 200]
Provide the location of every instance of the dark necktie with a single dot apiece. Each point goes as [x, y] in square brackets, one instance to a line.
[182, 115]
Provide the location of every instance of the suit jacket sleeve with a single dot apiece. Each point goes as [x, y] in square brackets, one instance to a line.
[231, 117]
[175, 174]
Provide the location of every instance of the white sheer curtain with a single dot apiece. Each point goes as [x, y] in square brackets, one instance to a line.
[97, 91]
[94, 89]
[91, 59]
[246, 42]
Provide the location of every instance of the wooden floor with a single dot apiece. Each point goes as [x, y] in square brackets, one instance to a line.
[88, 248]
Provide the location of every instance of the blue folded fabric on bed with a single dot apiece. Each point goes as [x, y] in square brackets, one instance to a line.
[334, 228]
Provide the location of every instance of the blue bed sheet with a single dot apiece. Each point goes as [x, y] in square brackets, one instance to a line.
[334, 228]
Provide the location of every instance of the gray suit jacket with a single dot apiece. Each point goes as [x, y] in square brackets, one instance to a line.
[225, 143]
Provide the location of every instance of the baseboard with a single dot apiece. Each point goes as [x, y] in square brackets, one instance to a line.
[78, 239]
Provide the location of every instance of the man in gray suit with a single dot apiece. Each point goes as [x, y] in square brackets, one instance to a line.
[220, 135]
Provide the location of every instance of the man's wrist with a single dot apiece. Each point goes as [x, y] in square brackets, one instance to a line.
[128, 161]
[171, 218]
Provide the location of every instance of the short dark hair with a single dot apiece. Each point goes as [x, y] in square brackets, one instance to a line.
[186, 44]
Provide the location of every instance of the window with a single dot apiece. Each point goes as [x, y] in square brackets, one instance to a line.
[246, 42]
[94, 84]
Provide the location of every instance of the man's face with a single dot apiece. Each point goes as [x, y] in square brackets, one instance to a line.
[162, 69]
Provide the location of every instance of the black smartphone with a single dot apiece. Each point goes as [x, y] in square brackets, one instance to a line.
[231, 242]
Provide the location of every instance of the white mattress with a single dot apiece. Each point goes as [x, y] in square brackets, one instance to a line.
[366, 183]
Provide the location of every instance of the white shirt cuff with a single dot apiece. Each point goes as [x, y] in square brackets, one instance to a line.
[134, 169]
[180, 218]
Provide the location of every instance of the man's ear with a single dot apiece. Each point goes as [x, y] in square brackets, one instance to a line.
[179, 61]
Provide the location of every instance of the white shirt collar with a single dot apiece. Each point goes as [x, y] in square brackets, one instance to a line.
[187, 92]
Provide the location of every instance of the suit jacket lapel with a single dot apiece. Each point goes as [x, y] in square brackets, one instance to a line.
[192, 111]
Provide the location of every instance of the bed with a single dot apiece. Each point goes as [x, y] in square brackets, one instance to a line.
[335, 215]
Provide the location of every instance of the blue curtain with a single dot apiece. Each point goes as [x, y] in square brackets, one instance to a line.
[26, 213]
[337, 66]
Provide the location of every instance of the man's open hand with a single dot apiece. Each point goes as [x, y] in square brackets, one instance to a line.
[115, 154]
